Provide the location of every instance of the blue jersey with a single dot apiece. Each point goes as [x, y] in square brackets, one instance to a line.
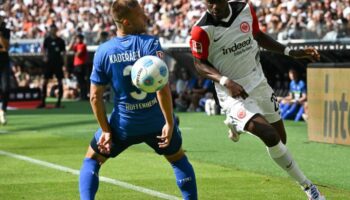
[297, 89]
[135, 112]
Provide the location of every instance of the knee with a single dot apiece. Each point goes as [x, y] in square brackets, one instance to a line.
[271, 137]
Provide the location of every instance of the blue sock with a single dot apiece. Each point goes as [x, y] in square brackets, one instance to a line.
[185, 178]
[88, 179]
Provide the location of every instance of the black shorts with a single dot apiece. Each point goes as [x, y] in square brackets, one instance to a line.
[151, 140]
[53, 69]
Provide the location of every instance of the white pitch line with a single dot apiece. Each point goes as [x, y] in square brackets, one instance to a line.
[3, 131]
[102, 178]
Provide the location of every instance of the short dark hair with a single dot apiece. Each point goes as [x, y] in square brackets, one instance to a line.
[80, 36]
[121, 9]
[53, 26]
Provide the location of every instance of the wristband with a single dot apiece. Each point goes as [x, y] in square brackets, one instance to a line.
[223, 80]
[286, 51]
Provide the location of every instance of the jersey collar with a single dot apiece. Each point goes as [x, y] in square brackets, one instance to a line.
[229, 16]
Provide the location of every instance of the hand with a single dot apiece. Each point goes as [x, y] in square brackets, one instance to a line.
[309, 53]
[105, 143]
[165, 138]
[236, 90]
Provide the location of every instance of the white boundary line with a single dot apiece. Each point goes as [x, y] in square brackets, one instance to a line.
[102, 178]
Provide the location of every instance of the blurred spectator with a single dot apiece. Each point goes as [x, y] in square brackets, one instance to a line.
[22, 78]
[79, 65]
[291, 106]
[170, 20]
[183, 91]
[199, 86]
[70, 85]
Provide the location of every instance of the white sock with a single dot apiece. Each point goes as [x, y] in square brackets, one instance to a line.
[283, 158]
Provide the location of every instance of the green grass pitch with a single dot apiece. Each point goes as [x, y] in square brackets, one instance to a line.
[224, 170]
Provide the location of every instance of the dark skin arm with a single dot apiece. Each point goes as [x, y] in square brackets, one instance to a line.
[270, 44]
[205, 69]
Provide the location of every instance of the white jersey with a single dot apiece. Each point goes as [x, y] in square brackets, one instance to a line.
[230, 47]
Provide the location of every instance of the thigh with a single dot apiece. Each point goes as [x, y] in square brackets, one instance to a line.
[239, 112]
[118, 145]
[48, 72]
[174, 146]
[58, 71]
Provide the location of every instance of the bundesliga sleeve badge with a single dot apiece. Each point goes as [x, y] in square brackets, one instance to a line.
[197, 46]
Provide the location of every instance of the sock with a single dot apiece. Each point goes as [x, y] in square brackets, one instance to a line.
[185, 178]
[280, 154]
[88, 179]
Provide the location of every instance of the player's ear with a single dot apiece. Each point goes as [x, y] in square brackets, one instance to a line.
[125, 22]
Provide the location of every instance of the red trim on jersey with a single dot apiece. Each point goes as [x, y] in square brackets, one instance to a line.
[199, 43]
[256, 28]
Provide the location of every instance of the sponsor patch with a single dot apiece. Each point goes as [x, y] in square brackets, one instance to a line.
[241, 113]
[245, 28]
[197, 47]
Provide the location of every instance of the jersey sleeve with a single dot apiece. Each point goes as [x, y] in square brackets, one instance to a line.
[199, 43]
[155, 48]
[303, 87]
[98, 74]
[256, 28]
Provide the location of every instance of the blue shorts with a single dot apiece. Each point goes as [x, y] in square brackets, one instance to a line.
[119, 145]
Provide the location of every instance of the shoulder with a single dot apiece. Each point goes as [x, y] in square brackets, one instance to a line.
[149, 39]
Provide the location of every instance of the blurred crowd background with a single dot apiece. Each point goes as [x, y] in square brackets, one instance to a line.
[173, 19]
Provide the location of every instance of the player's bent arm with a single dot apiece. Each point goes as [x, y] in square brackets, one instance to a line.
[166, 105]
[303, 98]
[205, 69]
[266, 42]
[98, 107]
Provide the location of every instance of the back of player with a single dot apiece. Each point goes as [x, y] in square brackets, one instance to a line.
[137, 117]
[135, 112]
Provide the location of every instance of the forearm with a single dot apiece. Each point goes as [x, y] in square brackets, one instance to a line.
[165, 103]
[266, 42]
[98, 108]
[206, 70]
[4, 44]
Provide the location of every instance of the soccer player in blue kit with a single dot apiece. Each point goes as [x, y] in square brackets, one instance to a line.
[137, 116]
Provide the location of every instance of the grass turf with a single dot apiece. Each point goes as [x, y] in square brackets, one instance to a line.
[224, 170]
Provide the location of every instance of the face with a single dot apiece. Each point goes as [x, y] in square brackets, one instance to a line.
[218, 8]
[292, 74]
[53, 31]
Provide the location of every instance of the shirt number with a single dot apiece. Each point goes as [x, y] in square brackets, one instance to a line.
[137, 94]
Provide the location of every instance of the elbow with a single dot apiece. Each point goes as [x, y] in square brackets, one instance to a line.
[94, 99]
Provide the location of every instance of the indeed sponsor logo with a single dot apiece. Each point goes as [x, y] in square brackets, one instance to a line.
[237, 46]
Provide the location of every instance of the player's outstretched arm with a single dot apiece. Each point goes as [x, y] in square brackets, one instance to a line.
[98, 107]
[205, 69]
[165, 102]
[266, 42]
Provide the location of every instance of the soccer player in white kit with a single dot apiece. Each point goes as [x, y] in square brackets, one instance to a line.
[225, 45]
